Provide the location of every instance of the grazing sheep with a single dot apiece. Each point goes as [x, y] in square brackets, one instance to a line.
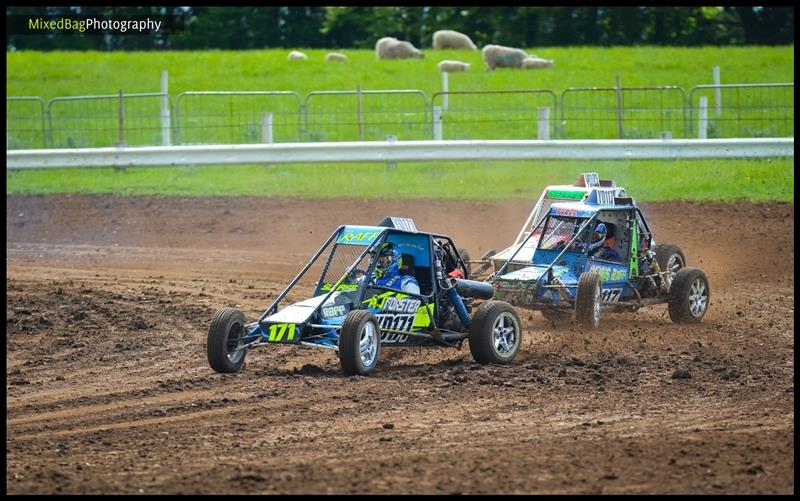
[381, 43]
[297, 55]
[335, 57]
[452, 66]
[396, 49]
[532, 62]
[497, 56]
[449, 39]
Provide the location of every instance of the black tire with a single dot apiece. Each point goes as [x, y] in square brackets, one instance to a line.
[556, 315]
[587, 300]
[358, 324]
[495, 333]
[689, 296]
[670, 259]
[225, 333]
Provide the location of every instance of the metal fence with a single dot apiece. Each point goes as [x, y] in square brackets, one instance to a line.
[744, 110]
[623, 112]
[237, 117]
[366, 115]
[107, 120]
[242, 117]
[505, 114]
[25, 123]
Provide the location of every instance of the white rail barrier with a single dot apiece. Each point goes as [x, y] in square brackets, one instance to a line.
[400, 151]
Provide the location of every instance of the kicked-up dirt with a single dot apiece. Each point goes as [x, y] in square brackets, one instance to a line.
[108, 389]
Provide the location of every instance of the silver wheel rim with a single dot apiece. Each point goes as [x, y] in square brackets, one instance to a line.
[235, 353]
[698, 298]
[596, 307]
[368, 344]
[504, 334]
[674, 264]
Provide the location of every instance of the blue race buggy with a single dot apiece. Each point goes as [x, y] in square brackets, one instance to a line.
[525, 244]
[347, 312]
[599, 254]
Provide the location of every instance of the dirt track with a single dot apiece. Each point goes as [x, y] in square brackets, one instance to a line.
[108, 388]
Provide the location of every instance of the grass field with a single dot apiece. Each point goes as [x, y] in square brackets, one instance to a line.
[52, 74]
[646, 180]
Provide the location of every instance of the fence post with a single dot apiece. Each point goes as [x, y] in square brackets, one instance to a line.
[437, 123]
[717, 93]
[165, 118]
[358, 112]
[544, 123]
[444, 90]
[703, 118]
[121, 121]
[620, 119]
[266, 128]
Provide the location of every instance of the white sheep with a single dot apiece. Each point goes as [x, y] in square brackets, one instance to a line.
[532, 62]
[449, 39]
[335, 57]
[498, 56]
[396, 49]
[453, 66]
[381, 43]
[297, 55]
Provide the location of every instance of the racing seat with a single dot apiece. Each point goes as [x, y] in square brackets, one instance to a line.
[422, 274]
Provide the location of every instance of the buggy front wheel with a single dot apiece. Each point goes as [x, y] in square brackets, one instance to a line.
[495, 333]
[359, 343]
[587, 300]
[688, 296]
[224, 341]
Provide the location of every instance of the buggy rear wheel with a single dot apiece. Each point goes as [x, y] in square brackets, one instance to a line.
[359, 343]
[688, 296]
[670, 259]
[587, 300]
[224, 341]
[495, 333]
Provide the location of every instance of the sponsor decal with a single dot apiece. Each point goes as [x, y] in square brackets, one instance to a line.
[566, 194]
[563, 211]
[358, 236]
[393, 338]
[279, 332]
[334, 311]
[611, 295]
[608, 273]
[396, 322]
[342, 287]
[398, 305]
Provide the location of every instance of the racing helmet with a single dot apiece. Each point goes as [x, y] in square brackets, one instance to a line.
[387, 259]
[598, 237]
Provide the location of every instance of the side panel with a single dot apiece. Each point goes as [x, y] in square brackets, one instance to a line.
[612, 278]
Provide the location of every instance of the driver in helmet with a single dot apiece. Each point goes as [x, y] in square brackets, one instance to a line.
[600, 245]
[387, 271]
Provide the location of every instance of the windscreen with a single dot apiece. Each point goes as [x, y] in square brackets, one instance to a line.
[559, 230]
[342, 257]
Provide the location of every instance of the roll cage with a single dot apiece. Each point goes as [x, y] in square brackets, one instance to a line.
[436, 251]
[636, 229]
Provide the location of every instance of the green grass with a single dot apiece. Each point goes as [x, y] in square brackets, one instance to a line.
[51, 74]
[763, 112]
[645, 180]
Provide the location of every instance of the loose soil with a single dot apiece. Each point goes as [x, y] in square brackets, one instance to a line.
[108, 389]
